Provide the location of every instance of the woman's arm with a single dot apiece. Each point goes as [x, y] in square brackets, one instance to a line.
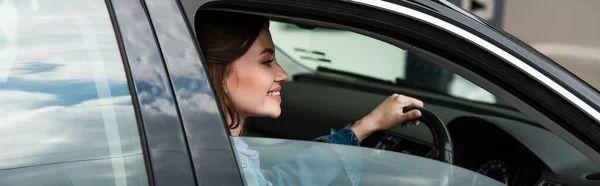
[385, 116]
[388, 115]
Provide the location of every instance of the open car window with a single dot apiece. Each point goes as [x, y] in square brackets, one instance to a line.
[318, 49]
[339, 76]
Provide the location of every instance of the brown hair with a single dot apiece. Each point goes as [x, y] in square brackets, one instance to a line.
[223, 38]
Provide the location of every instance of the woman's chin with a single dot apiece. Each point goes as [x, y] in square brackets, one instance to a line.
[266, 113]
[274, 113]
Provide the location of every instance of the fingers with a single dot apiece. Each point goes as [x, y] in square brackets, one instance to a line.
[406, 100]
[415, 102]
[413, 122]
[409, 117]
[395, 103]
[412, 115]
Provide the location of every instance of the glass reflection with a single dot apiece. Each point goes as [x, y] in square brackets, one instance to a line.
[67, 117]
[377, 167]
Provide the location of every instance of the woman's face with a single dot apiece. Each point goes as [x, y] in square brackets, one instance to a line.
[253, 83]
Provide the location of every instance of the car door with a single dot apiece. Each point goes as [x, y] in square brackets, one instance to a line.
[528, 82]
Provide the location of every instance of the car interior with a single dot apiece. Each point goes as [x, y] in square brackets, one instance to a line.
[339, 74]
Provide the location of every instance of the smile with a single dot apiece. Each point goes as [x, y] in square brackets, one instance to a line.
[274, 93]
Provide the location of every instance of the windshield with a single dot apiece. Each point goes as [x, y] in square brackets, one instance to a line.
[375, 167]
[317, 49]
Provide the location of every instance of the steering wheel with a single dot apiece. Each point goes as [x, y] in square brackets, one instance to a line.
[441, 138]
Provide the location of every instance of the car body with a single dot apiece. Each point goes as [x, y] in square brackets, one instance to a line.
[115, 93]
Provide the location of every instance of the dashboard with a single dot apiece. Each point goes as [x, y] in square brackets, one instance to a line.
[488, 150]
[483, 149]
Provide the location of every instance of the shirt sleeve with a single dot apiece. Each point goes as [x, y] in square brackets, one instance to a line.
[342, 137]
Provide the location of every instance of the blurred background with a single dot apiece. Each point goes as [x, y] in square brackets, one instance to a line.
[565, 31]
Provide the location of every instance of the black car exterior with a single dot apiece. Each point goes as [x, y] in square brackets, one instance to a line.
[178, 126]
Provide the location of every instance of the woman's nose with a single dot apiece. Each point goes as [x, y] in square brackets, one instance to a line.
[281, 75]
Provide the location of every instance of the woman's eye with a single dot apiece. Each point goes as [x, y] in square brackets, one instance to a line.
[268, 63]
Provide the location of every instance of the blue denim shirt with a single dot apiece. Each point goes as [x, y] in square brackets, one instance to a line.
[342, 164]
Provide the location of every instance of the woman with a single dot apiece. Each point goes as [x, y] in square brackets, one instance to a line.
[239, 54]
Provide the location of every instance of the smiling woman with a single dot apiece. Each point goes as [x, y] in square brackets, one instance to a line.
[226, 44]
[65, 105]
[241, 62]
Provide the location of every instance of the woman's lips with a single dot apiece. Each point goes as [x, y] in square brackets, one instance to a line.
[276, 89]
[276, 94]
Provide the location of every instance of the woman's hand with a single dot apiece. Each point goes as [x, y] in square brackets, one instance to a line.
[387, 115]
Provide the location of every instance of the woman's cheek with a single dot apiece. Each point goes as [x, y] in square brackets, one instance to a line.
[254, 85]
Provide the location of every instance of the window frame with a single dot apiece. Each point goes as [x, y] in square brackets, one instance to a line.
[169, 161]
[134, 96]
[207, 138]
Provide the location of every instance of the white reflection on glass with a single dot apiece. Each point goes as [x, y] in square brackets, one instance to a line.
[195, 98]
[377, 167]
[192, 89]
[9, 20]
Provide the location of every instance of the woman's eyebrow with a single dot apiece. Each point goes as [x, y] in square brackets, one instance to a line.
[268, 50]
